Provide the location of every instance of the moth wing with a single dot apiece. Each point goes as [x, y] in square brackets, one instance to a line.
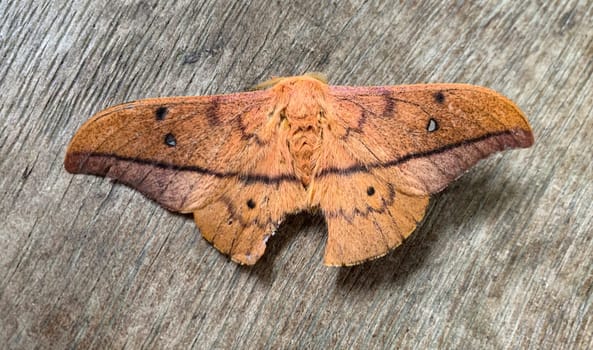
[214, 156]
[391, 147]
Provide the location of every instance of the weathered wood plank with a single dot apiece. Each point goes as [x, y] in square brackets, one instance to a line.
[504, 258]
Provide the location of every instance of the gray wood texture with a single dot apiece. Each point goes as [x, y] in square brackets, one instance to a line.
[504, 258]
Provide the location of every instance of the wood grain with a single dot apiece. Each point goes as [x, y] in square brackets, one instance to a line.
[504, 258]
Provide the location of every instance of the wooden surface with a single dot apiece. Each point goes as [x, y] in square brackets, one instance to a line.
[504, 258]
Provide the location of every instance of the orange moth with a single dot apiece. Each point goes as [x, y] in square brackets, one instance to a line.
[367, 158]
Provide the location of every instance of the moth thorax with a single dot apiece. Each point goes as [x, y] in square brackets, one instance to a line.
[303, 136]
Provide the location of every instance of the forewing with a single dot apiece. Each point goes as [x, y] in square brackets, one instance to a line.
[430, 133]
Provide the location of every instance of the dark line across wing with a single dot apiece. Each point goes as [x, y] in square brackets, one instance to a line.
[248, 178]
[407, 157]
[262, 178]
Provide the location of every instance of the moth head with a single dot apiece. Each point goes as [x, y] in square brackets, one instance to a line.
[301, 98]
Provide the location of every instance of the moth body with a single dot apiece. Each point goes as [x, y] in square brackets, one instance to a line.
[299, 107]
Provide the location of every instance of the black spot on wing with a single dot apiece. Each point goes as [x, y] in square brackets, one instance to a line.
[251, 203]
[170, 140]
[161, 113]
[439, 97]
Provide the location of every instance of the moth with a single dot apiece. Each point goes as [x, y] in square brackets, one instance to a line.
[366, 158]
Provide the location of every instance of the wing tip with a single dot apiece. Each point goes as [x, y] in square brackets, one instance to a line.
[73, 163]
[86, 163]
[524, 137]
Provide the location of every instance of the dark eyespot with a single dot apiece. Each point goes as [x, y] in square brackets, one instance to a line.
[161, 113]
[170, 140]
[370, 190]
[439, 97]
[432, 125]
[251, 203]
